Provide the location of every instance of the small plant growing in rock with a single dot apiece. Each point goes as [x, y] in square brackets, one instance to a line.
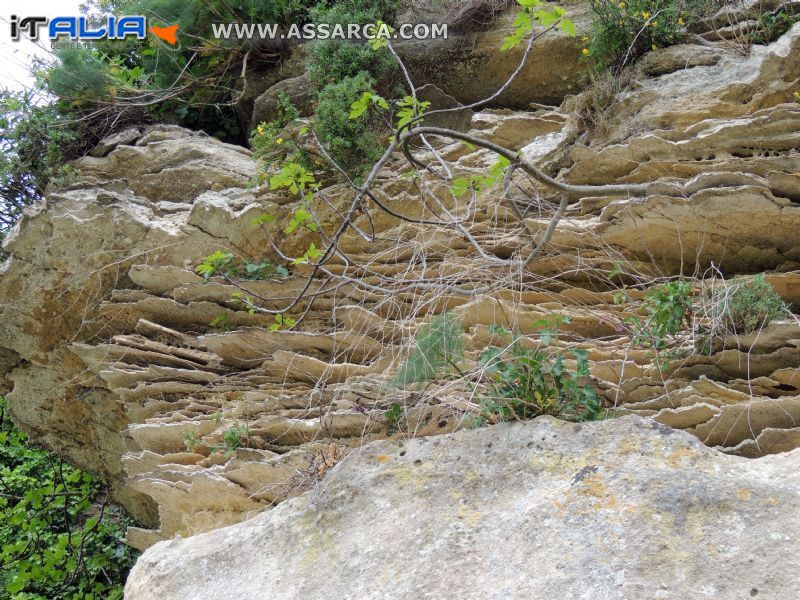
[438, 345]
[395, 418]
[526, 383]
[218, 263]
[192, 440]
[227, 264]
[233, 438]
[743, 306]
[222, 321]
[669, 308]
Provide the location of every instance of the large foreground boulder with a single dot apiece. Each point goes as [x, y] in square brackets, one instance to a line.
[624, 508]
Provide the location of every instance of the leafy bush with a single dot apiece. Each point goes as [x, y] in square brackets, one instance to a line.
[669, 307]
[743, 306]
[527, 383]
[58, 537]
[36, 141]
[352, 143]
[774, 23]
[269, 148]
[624, 30]
[332, 60]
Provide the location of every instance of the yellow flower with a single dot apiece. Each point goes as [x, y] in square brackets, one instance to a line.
[621, 5]
[585, 51]
[646, 15]
[280, 140]
[654, 23]
[680, 21]
[260, 129]
[654, 47]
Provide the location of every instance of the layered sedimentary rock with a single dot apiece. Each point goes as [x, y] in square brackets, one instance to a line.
[120, 357]
[624, 508]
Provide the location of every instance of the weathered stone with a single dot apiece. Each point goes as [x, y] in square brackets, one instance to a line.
[115, 353]
[618, 509]
[457, 117]
[298, 89]
[127, 137]
[470, 67]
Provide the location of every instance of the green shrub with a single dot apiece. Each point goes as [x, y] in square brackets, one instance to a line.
[395, 418]
[668, 307]
[233, 438]
[332, 60]
[624, 30]
[58, 538]
[36, 140]
[352, 143]
[227, 264]
[527, 383]
[744, 306]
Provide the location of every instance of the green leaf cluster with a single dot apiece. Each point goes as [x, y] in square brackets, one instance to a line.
[624, 30]
[526, 383]
[669, 308]
[37, 139]
[745, 305]
[478, 182]
[532, 15]
[228, 264]
[58, 538]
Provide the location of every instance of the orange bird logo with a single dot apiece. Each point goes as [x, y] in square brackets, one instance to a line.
[168, 34]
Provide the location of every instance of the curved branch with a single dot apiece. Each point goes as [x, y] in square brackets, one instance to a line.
[569, 190]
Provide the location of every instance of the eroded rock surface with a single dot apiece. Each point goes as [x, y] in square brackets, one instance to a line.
[617, 509]
[117, 355]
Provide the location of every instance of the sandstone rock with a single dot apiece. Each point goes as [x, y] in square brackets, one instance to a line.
[617, 509]
[126, 137]
[298, 89]
[470, 67]
[458, 120]
[115, 353]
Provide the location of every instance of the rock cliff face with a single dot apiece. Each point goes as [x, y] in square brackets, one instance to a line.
[117, 355]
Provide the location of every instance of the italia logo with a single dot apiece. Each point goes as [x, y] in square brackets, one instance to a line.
[79, 29]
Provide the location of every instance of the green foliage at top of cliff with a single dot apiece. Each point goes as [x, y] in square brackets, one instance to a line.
[58, 537]
[624, 30]
[35, 139]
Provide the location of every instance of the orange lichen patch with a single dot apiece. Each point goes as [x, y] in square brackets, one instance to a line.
[743, 494]
[677, 457]
[382, 458]
[591, 493]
